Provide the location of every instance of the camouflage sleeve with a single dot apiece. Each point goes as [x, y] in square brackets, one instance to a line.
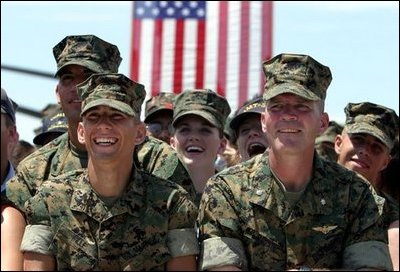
[38, 233]
[182, 239]
[19, 189]
[219, 227]
[370, 255]
[183, 242]
[366, 231]
[37, 238]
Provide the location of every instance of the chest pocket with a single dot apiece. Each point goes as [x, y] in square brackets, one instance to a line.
[151, 253]
[265, 239]
[74, 252]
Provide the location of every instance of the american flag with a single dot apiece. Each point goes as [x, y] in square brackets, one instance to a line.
[218, 45]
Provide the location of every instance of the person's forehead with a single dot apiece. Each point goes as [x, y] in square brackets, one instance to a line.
[289, 96]
[103, 109]
[250, 117]
[366, 136]
[75, 69]
[193, 119]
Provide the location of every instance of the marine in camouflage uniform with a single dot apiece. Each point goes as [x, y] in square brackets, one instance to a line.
[199, 121]
[381, 123]
[62, 155]
[158, 115]
[325, 143]
[255, 217]
[150, 223]
[365, 146]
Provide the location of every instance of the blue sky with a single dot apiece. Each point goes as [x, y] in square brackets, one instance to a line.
[359, 41]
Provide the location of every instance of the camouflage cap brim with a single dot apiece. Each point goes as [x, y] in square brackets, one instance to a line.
[293, 88]
[40, 138]
[151, 113]
[91, 65]
[205, 115]
[370, 130]
[112, 103]
[237, 120]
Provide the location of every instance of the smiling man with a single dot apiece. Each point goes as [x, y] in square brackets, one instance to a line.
[288, 208]
[140, 221]
[365, 146]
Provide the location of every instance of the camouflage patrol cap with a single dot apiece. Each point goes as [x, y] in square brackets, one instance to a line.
[112, 90]
[55, 124]
[88, 51]
[297, 74]
[162, 101]
[330, 133]
[254, 106]
[204, 103]
[376, 120]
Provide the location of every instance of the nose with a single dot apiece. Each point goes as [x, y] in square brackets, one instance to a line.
[288, 113]
[255, 131]
[104, 123]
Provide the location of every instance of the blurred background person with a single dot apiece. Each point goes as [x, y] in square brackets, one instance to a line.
[12, 220]
[20, 151]
[325, 143]
[158, 116]
[246, 125]
[230, 156]
[53, 125]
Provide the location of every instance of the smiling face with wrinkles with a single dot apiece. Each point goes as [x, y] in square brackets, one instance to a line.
[292, 123]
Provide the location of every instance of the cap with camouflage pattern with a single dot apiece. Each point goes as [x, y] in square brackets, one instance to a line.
[55, 124]
[114, 90]
[376, 120]
[253, 106]
[88, 51]
[330, 133]
[297, 74]
[161, 101]
[204, 103]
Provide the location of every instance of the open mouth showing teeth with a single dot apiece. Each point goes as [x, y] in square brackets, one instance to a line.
[255, 149]
[105, 141]
[195, 149]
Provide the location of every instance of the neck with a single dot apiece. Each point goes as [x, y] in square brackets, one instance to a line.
[200, 176]
[293, 171]
[110, 179]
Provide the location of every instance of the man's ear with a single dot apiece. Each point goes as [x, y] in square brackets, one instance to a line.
[338, 143]
[58, 95]
[140, 133]
[222, 146]
[263, 124]
[81, 133]
[172, 142]
[324, 122]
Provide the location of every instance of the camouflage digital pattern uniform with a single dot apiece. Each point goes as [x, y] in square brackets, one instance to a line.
[60, 156]
[246, 221]
[151, 223]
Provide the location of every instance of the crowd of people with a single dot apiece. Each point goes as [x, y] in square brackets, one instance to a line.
[275, 185]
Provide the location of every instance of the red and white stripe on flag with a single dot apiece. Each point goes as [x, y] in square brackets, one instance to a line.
[218, 45]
